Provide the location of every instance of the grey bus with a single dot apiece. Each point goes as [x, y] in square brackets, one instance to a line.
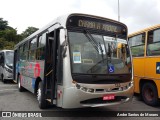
[77, 60]
[6, 65]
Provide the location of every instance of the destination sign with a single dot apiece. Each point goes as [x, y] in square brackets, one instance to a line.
[96, 24]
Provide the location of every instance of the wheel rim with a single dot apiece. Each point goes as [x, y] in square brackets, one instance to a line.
[19, 83]
[148, 94]
[39, 94]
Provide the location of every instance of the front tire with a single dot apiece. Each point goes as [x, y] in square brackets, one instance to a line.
[41, 96]
[150, 94]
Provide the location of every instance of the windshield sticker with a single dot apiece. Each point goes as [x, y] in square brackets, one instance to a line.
[111, 69]
[106, 38]
[76, 57]
[122, 41]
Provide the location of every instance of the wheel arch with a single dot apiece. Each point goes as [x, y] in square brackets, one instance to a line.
[143, 81]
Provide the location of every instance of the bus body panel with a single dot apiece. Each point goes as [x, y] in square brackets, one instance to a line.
[138, 64]
[29, 72]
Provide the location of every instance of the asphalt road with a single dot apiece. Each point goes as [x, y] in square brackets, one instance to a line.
[13, 100]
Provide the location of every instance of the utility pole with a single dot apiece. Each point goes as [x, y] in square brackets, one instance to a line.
[118, 11]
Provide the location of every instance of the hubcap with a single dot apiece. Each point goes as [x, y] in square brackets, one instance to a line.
[149, 95]
[19, 83]
[39, 95]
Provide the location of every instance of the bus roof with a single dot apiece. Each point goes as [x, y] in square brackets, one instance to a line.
[5, 50]
[61, 22]
[144, 30]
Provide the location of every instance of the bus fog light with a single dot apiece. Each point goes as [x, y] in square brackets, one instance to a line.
[78, 86]
[91, 90]
[121, 88]
[84, 89]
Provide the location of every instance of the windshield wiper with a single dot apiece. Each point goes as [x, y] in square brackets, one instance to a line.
[109, 52]
[94, 43]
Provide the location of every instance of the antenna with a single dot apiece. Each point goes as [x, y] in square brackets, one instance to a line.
[118, 11]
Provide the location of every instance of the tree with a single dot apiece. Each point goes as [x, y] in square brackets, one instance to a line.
[29, 31]
[3, 24]
[9, 36]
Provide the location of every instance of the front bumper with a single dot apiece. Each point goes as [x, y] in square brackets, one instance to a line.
[77, 98]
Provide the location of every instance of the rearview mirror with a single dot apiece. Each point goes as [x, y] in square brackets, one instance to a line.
[63, 42]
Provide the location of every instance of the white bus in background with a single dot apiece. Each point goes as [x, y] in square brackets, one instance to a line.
[6, 65]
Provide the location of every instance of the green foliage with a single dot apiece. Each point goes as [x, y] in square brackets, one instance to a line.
[29, 31]
[3, 24]
[9, 36]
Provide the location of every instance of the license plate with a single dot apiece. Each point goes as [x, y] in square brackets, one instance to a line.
[109, 97]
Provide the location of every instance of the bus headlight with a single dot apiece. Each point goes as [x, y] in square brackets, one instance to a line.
[91, 90]
[131, 83]
[84, 89]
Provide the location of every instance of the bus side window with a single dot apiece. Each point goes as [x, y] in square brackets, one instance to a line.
[32, 47]
[41, 47]
[153, 43]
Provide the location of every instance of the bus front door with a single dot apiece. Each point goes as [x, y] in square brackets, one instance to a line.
[50, 66]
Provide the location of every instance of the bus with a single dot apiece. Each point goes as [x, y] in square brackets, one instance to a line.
[145, 47]
[77, 60]
[6, 65]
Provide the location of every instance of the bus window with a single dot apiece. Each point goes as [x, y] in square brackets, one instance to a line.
[25, 51]
[137, 45]
[33, 46]
[40, 53]
[153, 46]
[42, 40]
[21, 53]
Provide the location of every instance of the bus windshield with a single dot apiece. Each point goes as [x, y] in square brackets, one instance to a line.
[9, 58]
[98, 54]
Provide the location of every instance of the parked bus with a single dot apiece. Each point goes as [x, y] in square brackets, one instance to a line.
[78, 60]
[145, 47]
[6, 65]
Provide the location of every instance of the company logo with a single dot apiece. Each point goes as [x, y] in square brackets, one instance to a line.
[6, 114]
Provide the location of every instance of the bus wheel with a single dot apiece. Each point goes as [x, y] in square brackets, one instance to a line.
[41, 96]
[149, 94]
[20, 88]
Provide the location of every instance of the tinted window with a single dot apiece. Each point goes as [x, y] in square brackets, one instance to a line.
[42, 40]
[137, 45]
[153, 46]
[33, 43]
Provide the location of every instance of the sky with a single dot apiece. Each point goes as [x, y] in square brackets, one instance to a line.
[136, 14]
